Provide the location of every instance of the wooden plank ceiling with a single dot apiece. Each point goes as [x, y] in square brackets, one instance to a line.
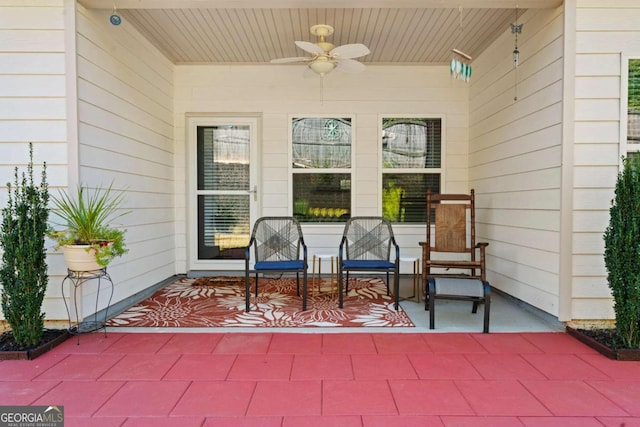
[197, 32]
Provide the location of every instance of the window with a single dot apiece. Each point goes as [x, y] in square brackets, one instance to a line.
[633, 105]
[321, 162]
[411, 156]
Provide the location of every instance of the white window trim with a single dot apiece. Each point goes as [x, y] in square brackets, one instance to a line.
[625, 148]
[292, 170]
[443, 156]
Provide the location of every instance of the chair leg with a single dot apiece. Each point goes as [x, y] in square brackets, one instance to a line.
[388, 285]
[474, 310]
[247, 291]
[256, 285]
[346, 286]
[396, 289]
[487, 306]
[304, 290]
[432, 307]
[298, 283]
[426, 295]
[340, 285]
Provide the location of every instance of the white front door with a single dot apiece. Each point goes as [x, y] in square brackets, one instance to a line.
[223, 195]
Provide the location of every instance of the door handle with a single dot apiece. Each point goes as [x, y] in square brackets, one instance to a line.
[254, 192]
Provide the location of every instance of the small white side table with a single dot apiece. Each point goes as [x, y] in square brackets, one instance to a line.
[333, 278]
[416, 277]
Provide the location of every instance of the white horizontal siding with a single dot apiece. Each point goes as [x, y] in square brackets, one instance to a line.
[515, 158]
[125, 135]
[604, 30]
[33, 101]
[278, 92]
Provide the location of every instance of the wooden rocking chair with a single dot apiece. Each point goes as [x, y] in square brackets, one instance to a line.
[456, 272]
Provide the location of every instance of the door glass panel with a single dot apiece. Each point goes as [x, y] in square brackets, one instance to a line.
[223, 158]
[223, 197]
[225, 226]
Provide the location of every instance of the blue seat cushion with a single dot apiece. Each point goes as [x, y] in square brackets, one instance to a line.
[367, 263]
[297, 264]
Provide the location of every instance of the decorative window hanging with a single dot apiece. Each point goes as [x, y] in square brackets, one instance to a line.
[515, 30]
[461, 62]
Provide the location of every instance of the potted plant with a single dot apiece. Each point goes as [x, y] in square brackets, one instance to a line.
[23, 273]
[89, 239]
[622, 260]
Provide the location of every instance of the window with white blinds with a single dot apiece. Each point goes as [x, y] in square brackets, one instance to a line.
[412, 162]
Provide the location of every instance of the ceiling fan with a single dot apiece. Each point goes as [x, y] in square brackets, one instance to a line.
[326, 57]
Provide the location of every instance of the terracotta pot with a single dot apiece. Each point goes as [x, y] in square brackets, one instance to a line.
[80, 258]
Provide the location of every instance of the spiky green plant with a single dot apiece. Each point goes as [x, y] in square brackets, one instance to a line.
[622, 252]
[87, 219]
[23, 273]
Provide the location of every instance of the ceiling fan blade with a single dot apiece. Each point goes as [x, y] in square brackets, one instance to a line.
[310, 47]
[349, 51]
[350, 66]
[288, 60]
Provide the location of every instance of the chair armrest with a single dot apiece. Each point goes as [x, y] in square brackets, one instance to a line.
[341, 247]
[397, 248]
[482, 246]
[304, 253]
[247, 249]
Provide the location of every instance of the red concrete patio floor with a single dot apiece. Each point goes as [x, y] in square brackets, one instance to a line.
[327, 379]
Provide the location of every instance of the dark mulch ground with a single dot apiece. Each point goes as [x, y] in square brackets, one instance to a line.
[8, 343]
[606, 337]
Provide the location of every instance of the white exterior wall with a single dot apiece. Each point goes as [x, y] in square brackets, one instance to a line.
[606, 32]
[125, 135]
[33, 100]
[515, 157]
[128, 103]
[276, 93]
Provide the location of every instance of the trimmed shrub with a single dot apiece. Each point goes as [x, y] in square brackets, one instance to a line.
[24, 268]
[622, 252]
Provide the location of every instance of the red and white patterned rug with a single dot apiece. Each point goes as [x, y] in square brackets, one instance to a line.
[220, 302]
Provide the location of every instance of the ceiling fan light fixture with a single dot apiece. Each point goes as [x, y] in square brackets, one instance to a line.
[327, 57]
[322, 66]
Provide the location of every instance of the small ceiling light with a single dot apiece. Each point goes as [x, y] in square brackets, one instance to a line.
[115, 17]
[322, 65]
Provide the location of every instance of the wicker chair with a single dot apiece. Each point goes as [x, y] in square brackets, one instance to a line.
[277, 243]
[366, 245]
[460, 273]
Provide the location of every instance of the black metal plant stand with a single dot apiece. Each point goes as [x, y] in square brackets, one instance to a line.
[77, 279]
